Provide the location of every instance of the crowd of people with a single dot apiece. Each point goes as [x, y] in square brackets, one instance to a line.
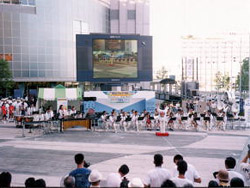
[174, 116]
[183, 175]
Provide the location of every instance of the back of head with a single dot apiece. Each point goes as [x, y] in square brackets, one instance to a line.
[69, 182]
[79, 158]
[213, 183]
[5, 179]
[124, 169]
[30, 182]
[158, 159]
[236, 182]
[168, 183]
[230, 162]
[177, 158]
[182, 166]
[40, 183]
[223, 176]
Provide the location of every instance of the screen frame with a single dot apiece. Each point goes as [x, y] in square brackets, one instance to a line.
[84, 58]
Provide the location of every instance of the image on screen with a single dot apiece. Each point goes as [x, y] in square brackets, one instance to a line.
[113, 58]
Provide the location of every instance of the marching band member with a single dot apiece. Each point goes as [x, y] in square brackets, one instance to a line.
[135, 122]
[162, 119]
[171, 121]
[148, 121]
[178, 118]
[112, 119]
[208, 123]
[123, 122]
[104, 120]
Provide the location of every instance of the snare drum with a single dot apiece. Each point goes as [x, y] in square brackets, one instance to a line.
[28, 118]
[19, 118]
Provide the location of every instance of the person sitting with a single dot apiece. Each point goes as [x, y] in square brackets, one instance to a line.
[5, 179]
[95, 178]
[223, 178]
[213, 183]
[191, 173]
[230, 163]
[181, 180]
[115, 179]
[135, 182]
[168, 183]
[158, 175]
[80, 174]
[245, 167]
[236, 182]
[30, 182]
[69, 182]
[40, 183]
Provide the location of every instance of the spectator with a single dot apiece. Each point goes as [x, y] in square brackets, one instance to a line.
[80, 174]
[191, 173]
[40, 183]
[95, 178]
[168, 183]
[30, 182]
[69, 182]
[135, 182]
[115, 179]
[223, 178]
[230, 163]
[245, 167]
[236, 182]
[5, 179]
[181, 180]
[158, 175]
[213, 183]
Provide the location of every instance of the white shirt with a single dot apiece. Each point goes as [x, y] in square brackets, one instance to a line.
[245, 171]
[232, 174]
[113, 180]
[179, 182]
[190, 174]
[156, 177]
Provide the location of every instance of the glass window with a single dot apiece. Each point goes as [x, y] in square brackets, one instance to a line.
[24, 2]
[31, 2]
[16, 1]
[17, 73]
[114, 14]
[6, 1]
[131, 14]
[33, 73]
[25, 73]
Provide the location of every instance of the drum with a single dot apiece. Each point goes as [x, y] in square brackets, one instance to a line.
[19, 118]
[28, 118]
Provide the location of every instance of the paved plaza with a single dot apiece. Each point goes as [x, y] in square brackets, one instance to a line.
[52, 156]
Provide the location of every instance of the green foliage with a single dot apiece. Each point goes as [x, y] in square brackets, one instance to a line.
[222, 81]
[244, 76]
[162, 73]
[6, 82]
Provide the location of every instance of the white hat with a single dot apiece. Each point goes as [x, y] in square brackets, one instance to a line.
[95, 176]
[135, 182]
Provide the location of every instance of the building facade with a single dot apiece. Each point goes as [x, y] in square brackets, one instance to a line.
[37, 37]
[204, 57]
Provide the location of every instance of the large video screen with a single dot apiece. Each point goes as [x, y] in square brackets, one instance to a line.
[115, 58]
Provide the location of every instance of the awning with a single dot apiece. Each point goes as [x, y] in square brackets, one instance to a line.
[168, 81]
[51, 94]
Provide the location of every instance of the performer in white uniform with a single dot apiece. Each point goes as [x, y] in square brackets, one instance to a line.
[162, 119]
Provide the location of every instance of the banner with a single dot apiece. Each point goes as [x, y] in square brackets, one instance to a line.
[119, 96]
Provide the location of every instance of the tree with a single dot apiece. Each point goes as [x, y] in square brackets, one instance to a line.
[244, 76]
[222, 81]
[162, 73]
[6, 82]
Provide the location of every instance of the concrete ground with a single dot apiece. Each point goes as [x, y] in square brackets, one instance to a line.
[52, 156]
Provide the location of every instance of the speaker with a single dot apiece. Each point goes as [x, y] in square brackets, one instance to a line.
[89, 98]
